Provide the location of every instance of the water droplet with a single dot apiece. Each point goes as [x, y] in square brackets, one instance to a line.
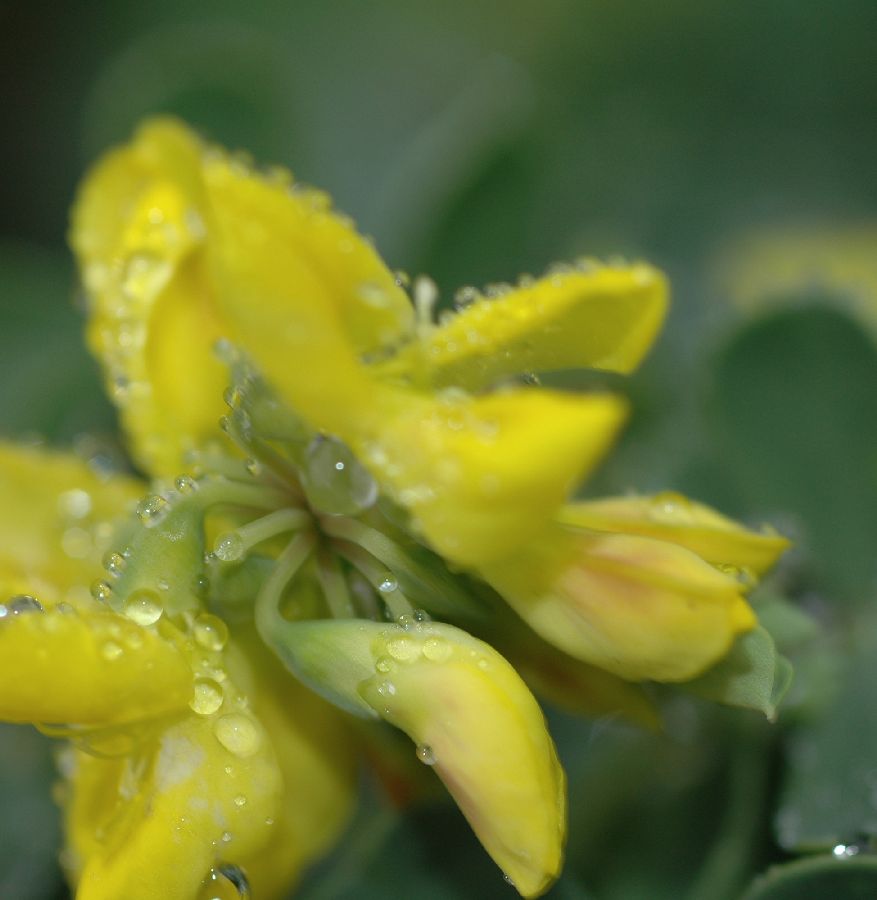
[508, 880]
[210, 632]
[426, 755]
[402, 278]
[143, 607]
[76, 503]
[335, 481]
[226, 837]
[20, 604]
[403, 648]
[229, 547]
[232, 396]
[465, 296]
[201, 586]
[240, 801]
[384, 664]
[186, 485]
[152, 510]
[239, 734]
[387, 689]
[101, 591]
[111, 651]
[373, 295]
[436, 649]
[114, 563]
[225, 882]
[76, 543]
[845, 851]
[144, 275]
[253, 466]
[388, 584]
[206, 697]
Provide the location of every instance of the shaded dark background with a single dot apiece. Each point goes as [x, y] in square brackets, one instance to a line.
[476, 141]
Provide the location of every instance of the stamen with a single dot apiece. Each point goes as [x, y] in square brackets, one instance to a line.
[235, 544]
[288, 563]
[334, 586]
[383, 581]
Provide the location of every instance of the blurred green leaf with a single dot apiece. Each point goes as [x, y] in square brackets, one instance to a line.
[830, 791]
[29, 828]
[753, 675]
[822, 878]
[50, 383]
[796, 425]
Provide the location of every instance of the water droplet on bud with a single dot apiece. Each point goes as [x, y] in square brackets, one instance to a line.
[143, 607]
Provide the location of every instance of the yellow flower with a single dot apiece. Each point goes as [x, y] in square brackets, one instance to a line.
[385, 454]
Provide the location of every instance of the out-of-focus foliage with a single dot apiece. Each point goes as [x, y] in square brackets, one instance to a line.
[474, 140]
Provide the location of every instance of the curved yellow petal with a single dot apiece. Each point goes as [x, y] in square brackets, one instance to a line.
[603, 317]
[482, 475]
[86, 668]
[176, 241]
[55, 515]
[200, 795]
[637, 607]
[318, 765]
[673, 517]
[137, 226]
[476, 722]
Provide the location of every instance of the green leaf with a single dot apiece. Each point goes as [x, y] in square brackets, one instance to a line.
[753, 675]
[830, 790]
[821, 878]
[793, 400]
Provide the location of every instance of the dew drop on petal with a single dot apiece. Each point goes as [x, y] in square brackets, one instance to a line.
[111, 651]
[114, 563]
[20, 604]
[239, 734]
[210, 632]
[206, 697]
[101, 591]
[426, 755]
[152, 510]
[436, 649]
[186, 485]
[143, 607]
[403, 648]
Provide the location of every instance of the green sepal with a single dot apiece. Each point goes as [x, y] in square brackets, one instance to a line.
[332, 657]
[753, 675]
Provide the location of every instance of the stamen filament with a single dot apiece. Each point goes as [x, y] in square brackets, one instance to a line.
[278, 522]
[334, 586]
[397, 603]
[287, 565]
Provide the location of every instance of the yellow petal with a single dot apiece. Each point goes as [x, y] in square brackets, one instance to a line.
[483, 475]
[87, 668]
[637, 607]
[475, 720]
[318, 764]
[672, 517]
[179, 245]
[55, 515]
[137, 226]
[173, 810]
[296, 283]
[605, 317]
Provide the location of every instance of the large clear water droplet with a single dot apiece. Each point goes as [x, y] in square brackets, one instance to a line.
[210, 632]
[206, 697]
[239, 734]
[335, 481]
[20, 604]
[143, 607]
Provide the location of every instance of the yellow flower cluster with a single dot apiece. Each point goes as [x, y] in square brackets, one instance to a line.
[403, 482]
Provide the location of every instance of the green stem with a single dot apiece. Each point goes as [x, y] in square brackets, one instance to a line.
[275, 523]
[395, 600]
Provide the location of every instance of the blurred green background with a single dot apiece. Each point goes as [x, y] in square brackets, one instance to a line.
[733, 145]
